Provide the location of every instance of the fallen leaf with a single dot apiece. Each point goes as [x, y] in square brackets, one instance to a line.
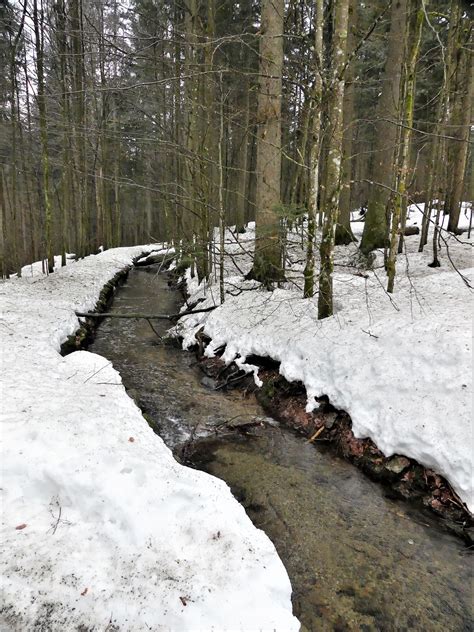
[20, 526]
[183, 601]
[84, 592]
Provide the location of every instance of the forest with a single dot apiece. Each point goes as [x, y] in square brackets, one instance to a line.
[124, 123]
[236, 285]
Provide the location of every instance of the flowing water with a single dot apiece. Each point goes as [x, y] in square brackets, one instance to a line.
[356, 559]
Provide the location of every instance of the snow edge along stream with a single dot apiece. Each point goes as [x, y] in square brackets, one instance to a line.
[100, 525]
[404, 377]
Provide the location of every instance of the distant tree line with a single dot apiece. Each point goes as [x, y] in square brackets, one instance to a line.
[123, 123]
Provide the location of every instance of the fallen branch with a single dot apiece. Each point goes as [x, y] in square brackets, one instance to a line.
[154, 330]
[316, 434]
[117, 315]
[196, 311]
[369, 333]
[145, 316]
[410, 230]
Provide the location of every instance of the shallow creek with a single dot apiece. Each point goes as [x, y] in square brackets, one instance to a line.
[356, 559]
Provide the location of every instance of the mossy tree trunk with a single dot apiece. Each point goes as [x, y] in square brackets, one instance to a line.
[386, 132]
[399, 205]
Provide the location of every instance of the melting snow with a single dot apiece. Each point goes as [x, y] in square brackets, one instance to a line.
[401, 366]
[101, 527]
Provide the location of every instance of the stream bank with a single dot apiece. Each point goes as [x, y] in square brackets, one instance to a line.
[357, 559]
[403, 477]
[84, 336]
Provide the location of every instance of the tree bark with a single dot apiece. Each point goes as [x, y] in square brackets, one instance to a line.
[344, 233]
[48, 220]
[267, 258]
[460, 128]
[315, 150]
[386, 131]
[334, 157]
[399, 207]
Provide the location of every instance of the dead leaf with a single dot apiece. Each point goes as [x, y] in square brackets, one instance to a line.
[183, 601]
[84, 592]
[20, 527]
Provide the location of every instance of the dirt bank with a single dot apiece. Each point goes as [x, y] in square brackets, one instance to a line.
[403, 477]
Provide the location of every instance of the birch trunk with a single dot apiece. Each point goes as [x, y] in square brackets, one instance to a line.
[334, 157]
[315, 150]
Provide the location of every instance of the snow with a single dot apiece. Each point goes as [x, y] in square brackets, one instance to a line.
[400, 365]
[101, 527]
[36, 268]
[162, 251]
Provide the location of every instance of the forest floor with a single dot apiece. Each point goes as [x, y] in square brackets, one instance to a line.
[399, 365]
[101, 528]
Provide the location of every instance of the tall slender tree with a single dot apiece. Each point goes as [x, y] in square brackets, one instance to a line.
[344, 233]
[460, 122]
[334, 155]
[412, 48]
[315, 148]
[38, 23]
[386, 132]
[267, 266]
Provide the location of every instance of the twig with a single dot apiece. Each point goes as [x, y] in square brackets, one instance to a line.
[153, 329]
[58, 520]
[316, 434]
[98, 371]
[369, 334]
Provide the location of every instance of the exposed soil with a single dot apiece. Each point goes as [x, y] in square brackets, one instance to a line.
[286, 402]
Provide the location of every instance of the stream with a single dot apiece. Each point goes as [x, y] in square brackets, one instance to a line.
[357, 560]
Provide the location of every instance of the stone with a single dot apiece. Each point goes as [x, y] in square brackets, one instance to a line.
[397, 464]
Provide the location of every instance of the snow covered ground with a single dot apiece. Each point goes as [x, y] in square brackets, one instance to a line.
[101, 528]
[36, 268]
[400, 365]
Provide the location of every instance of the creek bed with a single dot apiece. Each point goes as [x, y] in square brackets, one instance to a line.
[357, 560]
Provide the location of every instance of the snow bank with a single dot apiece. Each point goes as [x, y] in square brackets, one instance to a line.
[101, 528]
[401, 366]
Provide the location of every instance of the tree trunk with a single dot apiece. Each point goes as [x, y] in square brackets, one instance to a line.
[435, 166]
[315, 149]
[334, 156]
[48, 220]
[399, 207]
[267, 258]
[386, 132]
[460, 129]
[79, 133]
[344, 233]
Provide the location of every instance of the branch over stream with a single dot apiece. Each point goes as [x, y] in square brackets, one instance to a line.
[145, 316]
